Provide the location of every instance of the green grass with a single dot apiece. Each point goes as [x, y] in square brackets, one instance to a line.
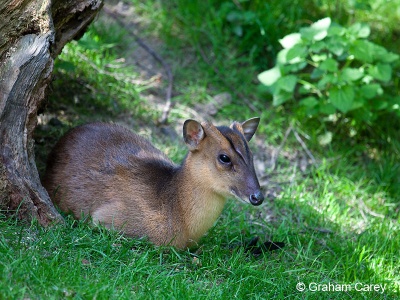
[339, 218]
[323, 245]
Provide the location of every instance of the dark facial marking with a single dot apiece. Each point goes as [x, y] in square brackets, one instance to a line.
[235, 129]
[232, 136]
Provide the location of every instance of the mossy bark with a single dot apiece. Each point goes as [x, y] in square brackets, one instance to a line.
[32, 34]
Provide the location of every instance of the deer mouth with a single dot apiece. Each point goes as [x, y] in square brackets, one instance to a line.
[255, 199]
[237, 197]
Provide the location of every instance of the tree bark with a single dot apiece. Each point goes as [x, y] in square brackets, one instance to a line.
[32, 34]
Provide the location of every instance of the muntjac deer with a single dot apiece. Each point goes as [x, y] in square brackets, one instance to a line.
[122, 181]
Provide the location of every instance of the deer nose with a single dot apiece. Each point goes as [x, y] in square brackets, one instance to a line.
[257, 198]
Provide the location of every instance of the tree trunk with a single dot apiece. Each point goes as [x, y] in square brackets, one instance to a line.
[32, 34]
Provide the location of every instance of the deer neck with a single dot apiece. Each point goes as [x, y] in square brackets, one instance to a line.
[200, 205]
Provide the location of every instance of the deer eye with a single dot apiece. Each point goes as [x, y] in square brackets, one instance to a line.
[224, 159]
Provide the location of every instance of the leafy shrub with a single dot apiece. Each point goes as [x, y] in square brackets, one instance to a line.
[331, 70]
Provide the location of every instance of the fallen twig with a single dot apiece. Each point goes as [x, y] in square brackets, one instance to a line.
[168, 103]
[278, 151]
[298, 138]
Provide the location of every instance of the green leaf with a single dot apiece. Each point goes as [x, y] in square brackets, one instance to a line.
[327, 109]
[322, 24]
[293, 67]
[359, 102]
[280, 96]
[370, 52]
[351, 74]
[307, 33]
[320, 29]
[270, 76]
[309, 102]
[363, 50]
[305, 88]
[378, 104]
[369, 91]
[281, 57]
[367, 79]
[319, 57]
[389, 57]
[325, 139]
[382, 72]
[328, 79]
[317, 31]
[337, 45]
[329, 64]
[290, 40]
[380, 53]
[359, 30]
[296, 54]
[336, 30]
[337, 49]
[364, 31]
[342, 97]
[317, 47]
[316, 73]
[287, 83]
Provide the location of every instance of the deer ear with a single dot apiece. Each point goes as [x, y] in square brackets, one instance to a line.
[193, 134]
[250, 127]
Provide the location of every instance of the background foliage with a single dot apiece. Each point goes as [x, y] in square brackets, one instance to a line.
[334, 71]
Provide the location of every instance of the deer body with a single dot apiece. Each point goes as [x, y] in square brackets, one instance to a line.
[122, 181]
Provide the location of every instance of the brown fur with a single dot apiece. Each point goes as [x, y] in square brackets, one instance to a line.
[122, 181]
